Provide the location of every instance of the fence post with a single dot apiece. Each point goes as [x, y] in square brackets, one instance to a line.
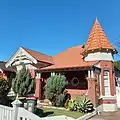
[16, 104]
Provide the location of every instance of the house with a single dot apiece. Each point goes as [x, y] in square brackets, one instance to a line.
[89, 68]
[6, 73]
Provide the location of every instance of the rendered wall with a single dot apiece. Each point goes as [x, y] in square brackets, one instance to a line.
[99, 56]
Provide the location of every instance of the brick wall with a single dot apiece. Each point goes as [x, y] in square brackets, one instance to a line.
[110, 66]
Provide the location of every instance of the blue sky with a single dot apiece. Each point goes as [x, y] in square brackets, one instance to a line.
[52, 26]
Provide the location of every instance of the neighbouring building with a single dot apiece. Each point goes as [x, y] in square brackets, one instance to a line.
[89, 68]
[6, 73]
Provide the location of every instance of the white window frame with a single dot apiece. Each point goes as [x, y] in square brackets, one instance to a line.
[108, 76]
[100, 84]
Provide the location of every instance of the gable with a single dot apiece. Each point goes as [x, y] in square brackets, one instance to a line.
[21, 56]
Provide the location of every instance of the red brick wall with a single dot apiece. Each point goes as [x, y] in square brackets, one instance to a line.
[38, 89]
[110, 66]
[92, 93]
[75, 93]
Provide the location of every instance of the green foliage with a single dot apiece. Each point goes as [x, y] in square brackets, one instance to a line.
[67, 97]
[117, 64]
[4, 89]
[81, 104]
[72, 105]
[60, 100]
[54, 89]
[4, 86]
[84, 104]
[23, 84]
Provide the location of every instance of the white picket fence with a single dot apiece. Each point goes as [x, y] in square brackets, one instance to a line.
[6, 113]
[118, 96]
[26, 115]
[19, 113]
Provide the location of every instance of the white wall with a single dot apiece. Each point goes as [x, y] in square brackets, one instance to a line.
[118, 96]
[99, 56]
[109, 107]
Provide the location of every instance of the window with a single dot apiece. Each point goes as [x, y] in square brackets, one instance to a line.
[106, 73]
[75, 81]
[106, 82]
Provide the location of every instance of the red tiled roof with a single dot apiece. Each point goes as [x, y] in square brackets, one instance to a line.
[39, 56]
[71, 58]
[98, 39]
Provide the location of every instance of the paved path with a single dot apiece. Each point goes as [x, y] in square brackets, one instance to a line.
[108, 116]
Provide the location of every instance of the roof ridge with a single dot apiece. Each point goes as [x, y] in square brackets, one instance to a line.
[68, 49]
[36, 51]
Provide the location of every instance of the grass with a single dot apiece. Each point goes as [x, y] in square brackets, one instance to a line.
[56, 112]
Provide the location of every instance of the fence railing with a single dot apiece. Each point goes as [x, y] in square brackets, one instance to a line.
[23, 114]
[18, 113]
[6, 113]
[118, 96]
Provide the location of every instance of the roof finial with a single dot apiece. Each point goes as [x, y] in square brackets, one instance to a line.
[96, 19]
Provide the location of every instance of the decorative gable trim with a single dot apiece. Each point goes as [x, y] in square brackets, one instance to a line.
[20, 51]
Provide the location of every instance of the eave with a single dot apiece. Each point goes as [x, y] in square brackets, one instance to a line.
[65, 69]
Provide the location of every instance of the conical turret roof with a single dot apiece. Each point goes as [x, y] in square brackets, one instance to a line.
[98, 40]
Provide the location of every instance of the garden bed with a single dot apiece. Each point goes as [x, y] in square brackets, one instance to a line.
[44, 112]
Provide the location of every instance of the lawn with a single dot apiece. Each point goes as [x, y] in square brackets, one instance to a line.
[56, 112]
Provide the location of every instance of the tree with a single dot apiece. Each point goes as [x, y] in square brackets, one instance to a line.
[117, 46]
[117, 64]
[117, 72]
[4, 89]
[23, 84]
[54, 89]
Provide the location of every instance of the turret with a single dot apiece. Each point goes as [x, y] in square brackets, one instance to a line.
[98, 47]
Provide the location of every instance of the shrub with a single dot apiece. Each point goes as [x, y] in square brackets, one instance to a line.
[84, 104]
[60, 100]
[4, 89]
[54, 89]
[72, 105]
[23, 84]
[67, 97]
[81, 104]
[4, 86]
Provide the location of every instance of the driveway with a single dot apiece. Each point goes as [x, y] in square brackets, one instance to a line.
[107, 116]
